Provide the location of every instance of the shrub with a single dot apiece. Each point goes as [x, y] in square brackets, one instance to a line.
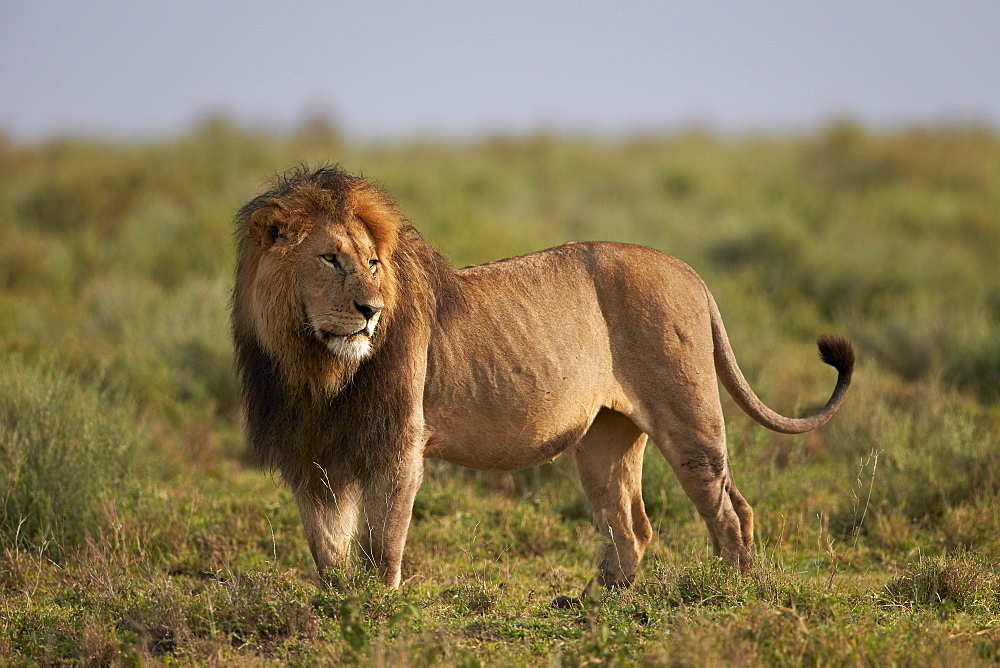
[65, 442]
[964, 581]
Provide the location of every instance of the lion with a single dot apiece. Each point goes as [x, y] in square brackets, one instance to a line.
[361, 352]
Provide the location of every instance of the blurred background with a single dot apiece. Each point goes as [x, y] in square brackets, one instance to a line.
[824, 166]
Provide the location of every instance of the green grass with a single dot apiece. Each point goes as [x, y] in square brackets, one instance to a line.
[134, 530]
[66, 445]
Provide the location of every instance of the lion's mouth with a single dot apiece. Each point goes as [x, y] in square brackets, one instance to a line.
[327, 336]
[352, 345]
[355, 345]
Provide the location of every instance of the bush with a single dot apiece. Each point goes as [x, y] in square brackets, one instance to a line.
[965, 582]
[65, 443]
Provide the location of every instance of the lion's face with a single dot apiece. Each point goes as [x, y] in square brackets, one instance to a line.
[339, 279]
[321, 272]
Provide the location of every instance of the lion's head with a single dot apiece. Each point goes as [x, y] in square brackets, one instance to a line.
[315, 279]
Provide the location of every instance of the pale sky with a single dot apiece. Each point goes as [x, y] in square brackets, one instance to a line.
[384, 69]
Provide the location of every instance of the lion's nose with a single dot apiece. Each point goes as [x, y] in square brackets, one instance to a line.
[367, 310]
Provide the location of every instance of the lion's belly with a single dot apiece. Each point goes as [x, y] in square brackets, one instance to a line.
[500, 437]
[500, 416]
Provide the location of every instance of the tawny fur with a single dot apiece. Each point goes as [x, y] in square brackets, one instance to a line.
[588, 346]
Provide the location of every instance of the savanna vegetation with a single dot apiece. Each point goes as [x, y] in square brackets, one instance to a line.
[132, 528]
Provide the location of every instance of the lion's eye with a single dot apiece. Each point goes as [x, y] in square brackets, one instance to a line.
[373, 265]
[330, 259]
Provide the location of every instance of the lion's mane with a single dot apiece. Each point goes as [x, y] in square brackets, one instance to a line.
[305, 408]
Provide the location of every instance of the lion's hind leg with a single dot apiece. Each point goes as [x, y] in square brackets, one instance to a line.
[745, 512]
[609, 461]
[691, 435]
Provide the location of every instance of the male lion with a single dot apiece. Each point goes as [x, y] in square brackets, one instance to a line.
[361, 352]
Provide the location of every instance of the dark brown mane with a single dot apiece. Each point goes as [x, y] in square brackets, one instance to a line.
[308, 435]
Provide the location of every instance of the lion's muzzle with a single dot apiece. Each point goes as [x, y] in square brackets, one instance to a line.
[354, 344]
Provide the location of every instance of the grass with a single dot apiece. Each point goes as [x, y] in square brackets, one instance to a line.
[134, 530]
[65, 445]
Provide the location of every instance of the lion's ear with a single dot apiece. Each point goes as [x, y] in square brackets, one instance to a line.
[271, 224]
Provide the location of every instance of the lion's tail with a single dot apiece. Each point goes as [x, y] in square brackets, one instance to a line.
[833, 350]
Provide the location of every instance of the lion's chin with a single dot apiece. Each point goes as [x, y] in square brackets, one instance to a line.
[354, 346]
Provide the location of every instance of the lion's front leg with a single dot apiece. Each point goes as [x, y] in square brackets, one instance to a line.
[388, 504]
[330, 519]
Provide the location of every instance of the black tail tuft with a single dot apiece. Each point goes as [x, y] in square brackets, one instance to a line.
[838, 353]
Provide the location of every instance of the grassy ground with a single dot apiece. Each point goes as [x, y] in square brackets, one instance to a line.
[133, 529]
